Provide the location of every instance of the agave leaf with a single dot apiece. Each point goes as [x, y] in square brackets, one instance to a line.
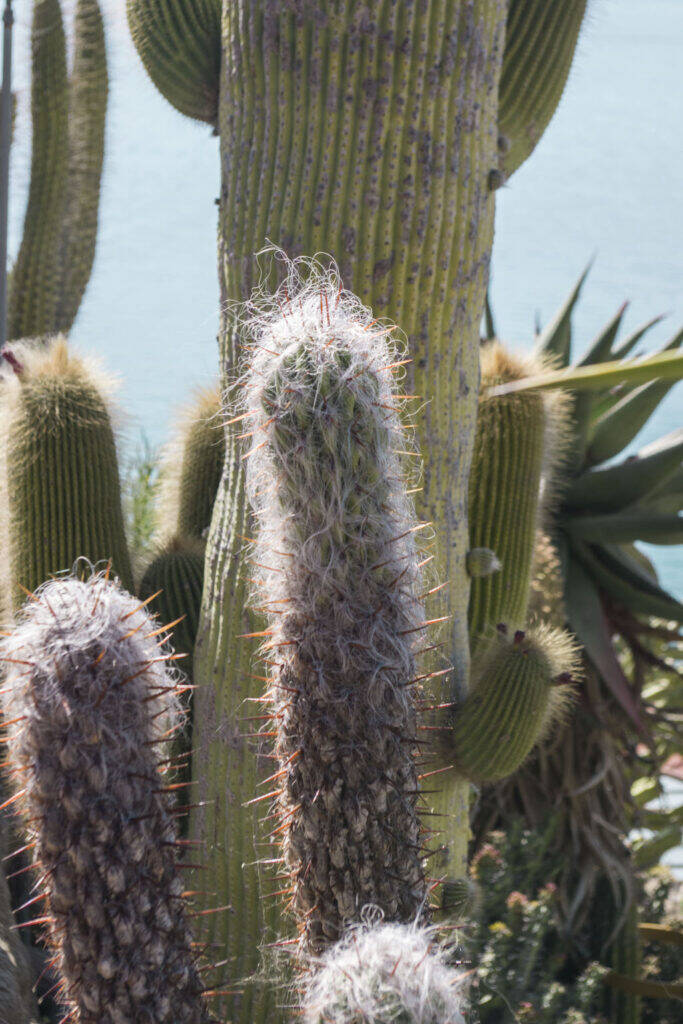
[588, 621]
[601, 347]
[642, 560]
[556, 338]
[626, 527]
[667, 497]
[616, 487]
[656, 820]
[639, 595]
[648, 852]
[628, 344]
[663, 365]
[618, 426]
[623, 564]
[489, 322]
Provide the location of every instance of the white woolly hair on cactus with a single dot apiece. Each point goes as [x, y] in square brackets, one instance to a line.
[338, 575]
[90, 701]
[381, 973]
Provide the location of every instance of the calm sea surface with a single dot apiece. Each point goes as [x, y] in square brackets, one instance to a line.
[606, 180]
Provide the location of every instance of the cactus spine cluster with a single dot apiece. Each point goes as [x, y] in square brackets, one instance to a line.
[56, 254]
[338, 579]
[60, 498]
[89, 704]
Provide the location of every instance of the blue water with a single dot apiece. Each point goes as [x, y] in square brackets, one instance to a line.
[605, 180]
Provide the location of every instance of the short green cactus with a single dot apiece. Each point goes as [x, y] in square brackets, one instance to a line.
[338, 580]
[518, 690]
[518, 440]
[61, 497]
[191, 469]
[385, 974]
[89, 702]
[540, 41]
[179, 42]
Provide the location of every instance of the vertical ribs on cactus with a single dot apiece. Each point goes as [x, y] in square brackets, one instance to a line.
[90, 704]
[518, 444]
[60, 498]
[338, 579]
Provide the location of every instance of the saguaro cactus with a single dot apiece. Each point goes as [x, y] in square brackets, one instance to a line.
[60, 499]
[338, 577]
[88, 702]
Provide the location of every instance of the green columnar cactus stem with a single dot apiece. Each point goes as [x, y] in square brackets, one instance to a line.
[192, 468]
[540, 41]
[35, 280]
[338, 577]
[385, 974]
[88, 702]
[518, 439]
[61, 492]
[625, 960]
[179, 42]
[519, 689]
[88, 87]
[367, 131]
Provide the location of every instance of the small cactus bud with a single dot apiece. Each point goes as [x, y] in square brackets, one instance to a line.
[482, 562]
[460, 898]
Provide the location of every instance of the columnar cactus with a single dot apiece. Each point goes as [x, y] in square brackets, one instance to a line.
[519, 440]
[540, 41]
[338, 579]
[60, 495]
[57, 250]
[89, 705]
[35, 279]
[191, 469]
[385, 974]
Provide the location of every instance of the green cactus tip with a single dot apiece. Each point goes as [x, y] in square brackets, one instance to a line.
[385, 974]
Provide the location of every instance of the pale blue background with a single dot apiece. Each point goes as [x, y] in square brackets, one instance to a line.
[606, 179]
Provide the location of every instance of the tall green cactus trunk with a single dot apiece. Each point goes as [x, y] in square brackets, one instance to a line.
[368, 131]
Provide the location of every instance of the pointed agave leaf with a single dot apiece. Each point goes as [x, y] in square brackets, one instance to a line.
[490, 324]
[667, 499]
[601, 348]
[617, 427]
[616, 487]
[663, 365]
[588, 621]
[610, 571]
[626, 527]
[628, 344]
[556, 338]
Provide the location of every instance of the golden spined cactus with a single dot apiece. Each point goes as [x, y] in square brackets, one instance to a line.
[518, 443]
[89, 705]
[546, 597]
[60, 498]
[338, 581]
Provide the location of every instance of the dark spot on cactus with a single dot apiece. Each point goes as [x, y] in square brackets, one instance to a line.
[519, 636]
[382, 267]
[563, 679]
[502, 629]
[495, 179]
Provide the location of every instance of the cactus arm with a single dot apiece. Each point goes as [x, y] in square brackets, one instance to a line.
[35, 280]
[540, 42]
[88, 87]
[61, 494]
[179, 43]
[368, 132]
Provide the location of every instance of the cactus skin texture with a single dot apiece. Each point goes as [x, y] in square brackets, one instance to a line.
[518, 441]
[88, 702]
[338, 578]
[385, 974]
[625, 960]
[61, 493]
[319, 115]
[519, 689]
[191, 469]
[179, 43]
[35, 279]
[88, 87]
[540, 42]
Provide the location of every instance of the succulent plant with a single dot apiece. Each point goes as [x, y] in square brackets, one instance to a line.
[89, 705]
